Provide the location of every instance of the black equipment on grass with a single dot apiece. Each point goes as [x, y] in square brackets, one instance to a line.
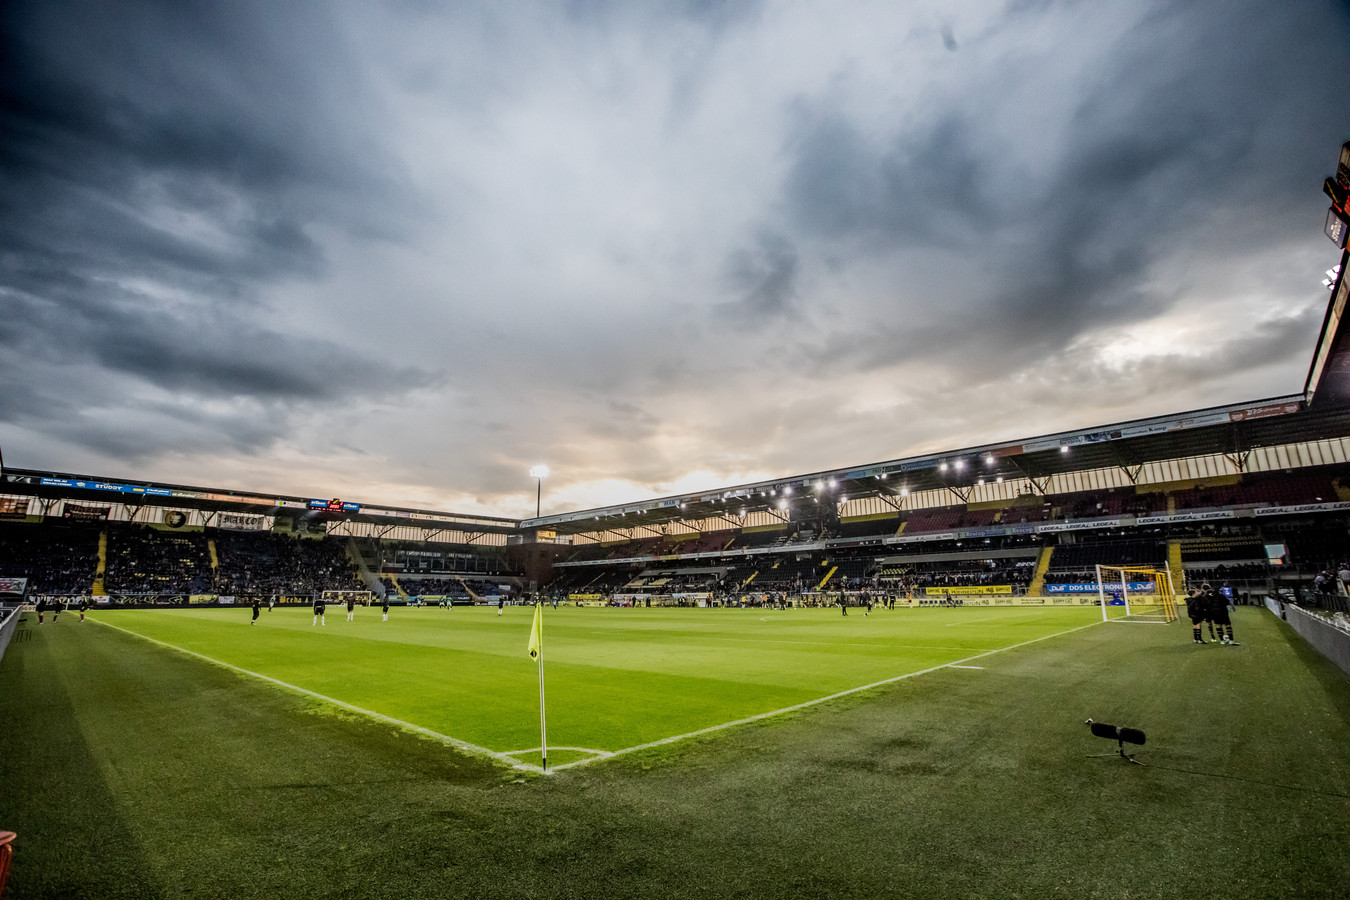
[1118, 733]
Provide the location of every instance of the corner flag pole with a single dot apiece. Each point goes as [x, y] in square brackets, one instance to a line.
[537, 651]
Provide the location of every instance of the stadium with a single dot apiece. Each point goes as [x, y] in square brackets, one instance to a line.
[751, 689]
[359, 246]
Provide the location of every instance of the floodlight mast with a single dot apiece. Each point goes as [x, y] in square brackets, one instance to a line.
[539, 472]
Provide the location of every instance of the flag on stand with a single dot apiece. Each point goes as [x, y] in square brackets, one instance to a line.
[537, 632]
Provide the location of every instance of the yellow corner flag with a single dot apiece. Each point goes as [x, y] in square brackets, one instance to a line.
[537, 632]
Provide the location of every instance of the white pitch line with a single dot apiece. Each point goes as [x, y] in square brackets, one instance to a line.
[965, 667]
[464, 746]
[819, 700]
[525, 767]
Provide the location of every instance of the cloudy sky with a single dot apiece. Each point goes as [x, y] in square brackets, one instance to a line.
[401, 252]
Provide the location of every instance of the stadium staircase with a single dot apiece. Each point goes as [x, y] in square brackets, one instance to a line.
[468, 590]
[1175, 568]
[98, 589]
[828, 576]
[354, 553]
[1037, 586]
[398, 587]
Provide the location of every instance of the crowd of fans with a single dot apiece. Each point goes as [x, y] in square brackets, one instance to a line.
[60, 560]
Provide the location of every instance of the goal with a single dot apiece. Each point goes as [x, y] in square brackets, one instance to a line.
[339, 598]
[1136, 594]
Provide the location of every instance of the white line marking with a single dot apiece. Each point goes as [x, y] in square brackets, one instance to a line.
[788, 709]
[465, 746]
[525, 767]
[965, 667]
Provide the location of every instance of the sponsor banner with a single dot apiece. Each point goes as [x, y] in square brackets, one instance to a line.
[695, 596]
[1262, 412]
[175, 518]
[13, 507]
[207, 598]
[226, 600]
[1080, 526]
[236, 522]
[632, 596]
[1137, 587]
[1303, 508]
[970, 589]
[106, 486]
[13, 585]
[585, 597]
[334, 506]
[1186, 517]
[85, 513]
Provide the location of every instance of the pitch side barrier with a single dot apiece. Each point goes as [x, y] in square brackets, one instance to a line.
[9, 622]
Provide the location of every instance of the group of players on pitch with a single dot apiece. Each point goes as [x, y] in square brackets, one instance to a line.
[1205, 604]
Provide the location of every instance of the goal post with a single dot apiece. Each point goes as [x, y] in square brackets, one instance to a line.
[1136, 594]
[339, 598]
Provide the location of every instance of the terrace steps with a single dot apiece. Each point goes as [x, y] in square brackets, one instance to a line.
[1037, 586]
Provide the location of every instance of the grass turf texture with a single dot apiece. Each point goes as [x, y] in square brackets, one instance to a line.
[131, 770]
[616, 678]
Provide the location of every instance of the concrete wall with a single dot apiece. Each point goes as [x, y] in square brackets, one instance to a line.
[1326, 638]
[9, 621]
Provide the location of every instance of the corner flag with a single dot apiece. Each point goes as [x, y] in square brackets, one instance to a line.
[537, 632]
[537, 654]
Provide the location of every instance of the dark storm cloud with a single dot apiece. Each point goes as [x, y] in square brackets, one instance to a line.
[1176, 131]
[763, 277]
[163, 167]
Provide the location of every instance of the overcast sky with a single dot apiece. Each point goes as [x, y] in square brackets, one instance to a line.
[401, 252]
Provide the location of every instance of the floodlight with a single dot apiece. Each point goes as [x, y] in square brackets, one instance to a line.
[904, 492]
[782, 504]
[1064, 448]
[942, 467]
[1118, 733]
[989, 460]
[787, 491]
[960, 464]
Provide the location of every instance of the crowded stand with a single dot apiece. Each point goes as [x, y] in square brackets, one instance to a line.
[57, 560]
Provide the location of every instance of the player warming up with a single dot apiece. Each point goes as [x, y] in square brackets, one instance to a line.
[385, 610]
[319, 610]
[1197, 609]
[257, 608]
[351, 609]
[1218, 616]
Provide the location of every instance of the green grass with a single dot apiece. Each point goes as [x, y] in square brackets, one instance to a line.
[130, 770]
[615, 679]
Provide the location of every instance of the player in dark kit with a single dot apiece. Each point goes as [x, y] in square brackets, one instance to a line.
[1218, 617]
[84, 605]
[386, 607]
[319, 608]
[1197, 607]
[257, 608]
[351, 609]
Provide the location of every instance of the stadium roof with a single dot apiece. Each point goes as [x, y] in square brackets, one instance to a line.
[1229, 429]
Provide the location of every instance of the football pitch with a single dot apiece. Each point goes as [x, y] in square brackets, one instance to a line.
[921, 753]
[617, 679]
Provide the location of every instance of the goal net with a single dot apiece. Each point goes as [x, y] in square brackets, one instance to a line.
[1136, 594]
[339, 598]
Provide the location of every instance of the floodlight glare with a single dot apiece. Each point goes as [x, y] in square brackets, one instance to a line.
[1064, 448]
[942, 467]
[960, 464]
[539, 472]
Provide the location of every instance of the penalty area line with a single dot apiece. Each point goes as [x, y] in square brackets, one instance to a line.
[464, 746]
[809, 703]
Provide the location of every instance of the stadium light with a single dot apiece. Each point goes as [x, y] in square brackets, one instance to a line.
[787, 491]
[904, 492]
[782, 504]
[960, 464]
[1063, 448]
[539, 473]
[989, 460]
[942, 467]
